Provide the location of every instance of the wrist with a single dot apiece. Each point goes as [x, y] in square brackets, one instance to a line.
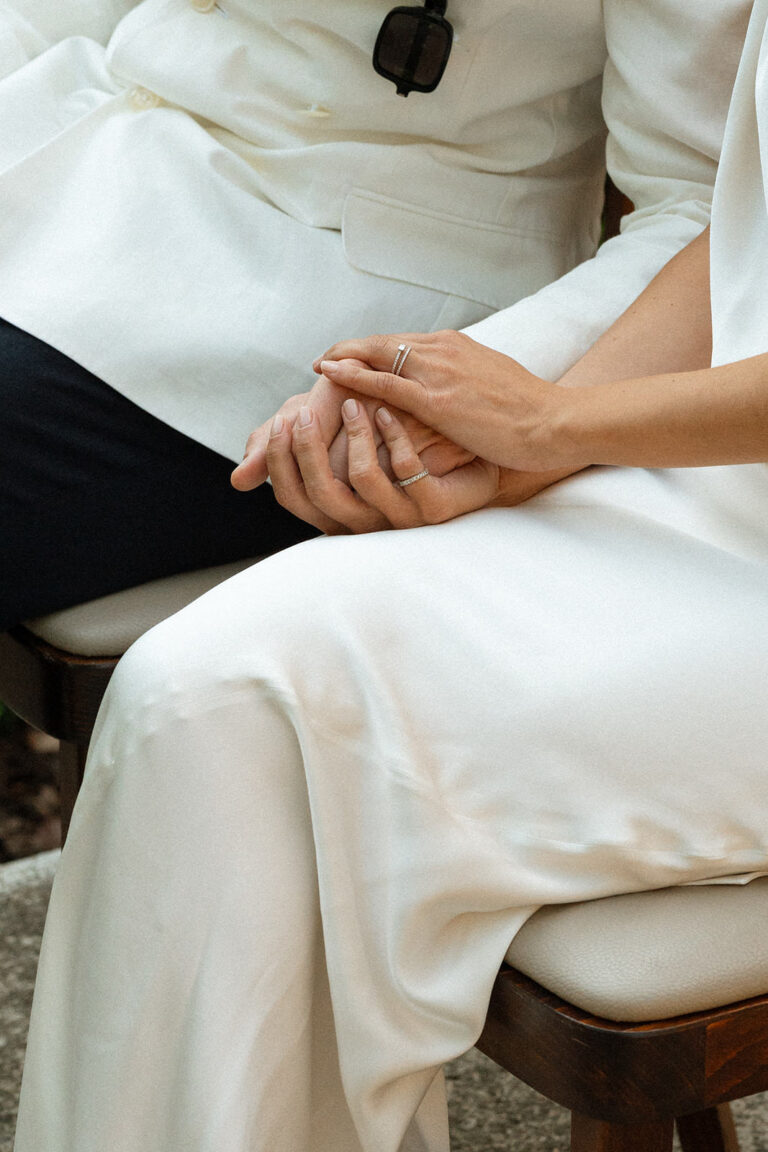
[515, 487]
[562, 439]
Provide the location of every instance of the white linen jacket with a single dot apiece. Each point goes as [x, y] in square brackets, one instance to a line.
[197, 198]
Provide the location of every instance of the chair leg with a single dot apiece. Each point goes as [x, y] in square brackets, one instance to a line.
[712, 1130]
[71, 767]
[590, 1135]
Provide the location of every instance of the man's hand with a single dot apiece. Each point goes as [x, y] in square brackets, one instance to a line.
[325, 399]
[304, 483]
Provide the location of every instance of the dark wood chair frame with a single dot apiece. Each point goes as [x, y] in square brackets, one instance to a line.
[626, 1085]
[59, 693]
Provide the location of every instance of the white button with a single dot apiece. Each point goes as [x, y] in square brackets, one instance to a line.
[142, 99]
[316, 111]
[203, 5]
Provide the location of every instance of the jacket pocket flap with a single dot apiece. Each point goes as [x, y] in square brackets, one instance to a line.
[488, 263]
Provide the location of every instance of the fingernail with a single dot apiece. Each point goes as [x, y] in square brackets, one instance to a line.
[305, 416]
[384, 417]
[350, 409]
[277, 426]
[329, 367]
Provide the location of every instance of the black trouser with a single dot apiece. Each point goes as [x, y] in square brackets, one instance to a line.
[96, 495]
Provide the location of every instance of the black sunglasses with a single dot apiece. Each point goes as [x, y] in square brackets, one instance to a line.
[413, 46]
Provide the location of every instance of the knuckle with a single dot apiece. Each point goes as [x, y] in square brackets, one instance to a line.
[401, 455]
[433, 509]
[315, 489]
[361, 474]
[357, 433]
[400, 444]
[283, 498]
[301, 441]
[452, 343]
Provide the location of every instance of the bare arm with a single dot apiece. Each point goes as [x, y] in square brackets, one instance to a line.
[667, 328]
[652, 400]
[551, 430]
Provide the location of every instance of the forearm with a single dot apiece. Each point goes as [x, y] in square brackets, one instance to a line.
[689, 419]
[667, 329]
[653, 402]
[549, 332]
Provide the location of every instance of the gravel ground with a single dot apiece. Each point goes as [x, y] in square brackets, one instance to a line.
[29, 802]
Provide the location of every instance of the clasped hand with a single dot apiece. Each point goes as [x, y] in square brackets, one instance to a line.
[461, 412]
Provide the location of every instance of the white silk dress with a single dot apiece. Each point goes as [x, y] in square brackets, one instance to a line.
[322, 799]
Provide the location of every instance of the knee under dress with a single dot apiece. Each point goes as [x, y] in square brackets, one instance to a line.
[322, 799]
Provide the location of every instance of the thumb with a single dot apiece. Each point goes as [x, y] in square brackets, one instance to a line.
[252, 469]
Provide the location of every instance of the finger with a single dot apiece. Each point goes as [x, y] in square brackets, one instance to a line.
[394, 391]
[327, 493]
[337, 452]
[465, 489]
[377, 351]
[286, 479]
[252, 470]
[337, 456]
[325, 399]
[436, 499]
[366, 475]
[402, 454]
[422, 494]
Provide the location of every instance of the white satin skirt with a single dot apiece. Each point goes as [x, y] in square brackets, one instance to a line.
[322, 799]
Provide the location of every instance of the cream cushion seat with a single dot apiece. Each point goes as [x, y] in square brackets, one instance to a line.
[108, 626]
[642, 956]
[651, 955]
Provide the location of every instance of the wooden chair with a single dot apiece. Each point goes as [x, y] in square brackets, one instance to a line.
[672, 1016]
[55, 670]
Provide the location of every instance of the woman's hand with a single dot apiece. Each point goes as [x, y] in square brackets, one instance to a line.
[304, 483]
[479, 398]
